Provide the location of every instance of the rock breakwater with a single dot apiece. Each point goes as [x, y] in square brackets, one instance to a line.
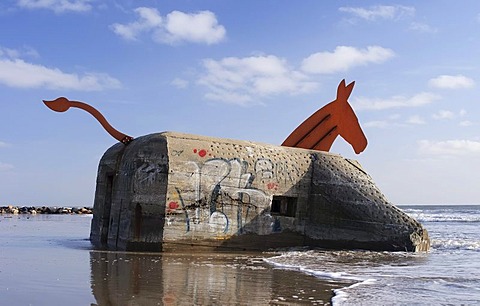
[15, 210]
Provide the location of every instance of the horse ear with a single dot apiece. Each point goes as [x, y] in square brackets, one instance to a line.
[343, 92]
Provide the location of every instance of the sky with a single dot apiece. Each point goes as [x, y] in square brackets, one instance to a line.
[250, 70]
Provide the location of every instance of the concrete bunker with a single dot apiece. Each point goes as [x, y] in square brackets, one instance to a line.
[170, 191]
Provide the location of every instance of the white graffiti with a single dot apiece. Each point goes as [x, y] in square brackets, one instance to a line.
[222, 189]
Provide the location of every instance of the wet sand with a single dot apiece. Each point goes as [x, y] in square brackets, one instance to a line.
[48, 260]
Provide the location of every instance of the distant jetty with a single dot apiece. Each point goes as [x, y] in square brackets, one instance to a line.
[48, 210]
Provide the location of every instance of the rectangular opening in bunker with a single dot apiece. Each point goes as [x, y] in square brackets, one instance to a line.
[284, 206]
[107, 206]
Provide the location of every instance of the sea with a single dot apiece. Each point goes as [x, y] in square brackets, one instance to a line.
[449, 274]
[48, 260]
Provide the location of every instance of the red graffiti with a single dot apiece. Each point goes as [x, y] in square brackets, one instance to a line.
[201, 153]
[173, 205]
[272, 186]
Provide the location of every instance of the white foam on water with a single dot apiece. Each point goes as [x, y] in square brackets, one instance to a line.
[341, 294]
[455, 244]
[449, 214]
[426, 217]
[276, 261]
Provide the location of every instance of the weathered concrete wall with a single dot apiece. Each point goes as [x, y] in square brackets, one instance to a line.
[129, 208]
[219, 189]
[351, 212]
[166, 191]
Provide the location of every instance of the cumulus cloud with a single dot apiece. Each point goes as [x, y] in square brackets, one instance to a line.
[443, 114]
[58, 6]
[451, 82]
[242, 80]
[344, 58]
[422, 27]
[148, 19]
[16, 72]
[416, 119]
[17, 53]
[9, 53]
[389, 12]
[466, 123]
[458, 147]
[175, 27]
[180, 83]
[420, 99]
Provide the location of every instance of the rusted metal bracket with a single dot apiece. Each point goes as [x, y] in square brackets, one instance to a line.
[62, 104]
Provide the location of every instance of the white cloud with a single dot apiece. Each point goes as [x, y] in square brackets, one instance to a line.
[176, 27]
[376, 124]
[466, 123]
[4, 144]
[5, 167]
[344, 58]
[459, 147]
[9, 53]
[422, 28]
[416, 119]
[179, 83]
[451, 82]
[58, 6]
[417, 100]
[443, 114]
[389, 12]
[241, 80]
[16, 53]
[201, 27]
[15, 72]
[148, 19]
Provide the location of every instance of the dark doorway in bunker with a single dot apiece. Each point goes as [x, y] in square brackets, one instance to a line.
[284, 206]
[106, 209]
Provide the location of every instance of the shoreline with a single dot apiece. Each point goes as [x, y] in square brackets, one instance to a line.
[106, 277]
[49, 210]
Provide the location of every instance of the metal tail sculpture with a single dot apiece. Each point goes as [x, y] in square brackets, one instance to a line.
[63, 104]
[319, 131]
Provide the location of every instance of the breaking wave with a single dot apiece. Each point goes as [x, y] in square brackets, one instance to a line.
[446, 214]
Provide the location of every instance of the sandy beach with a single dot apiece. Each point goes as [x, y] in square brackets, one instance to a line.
[205, 279]
[50, 258]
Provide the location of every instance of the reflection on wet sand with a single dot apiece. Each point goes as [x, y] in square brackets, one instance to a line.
[201, 279]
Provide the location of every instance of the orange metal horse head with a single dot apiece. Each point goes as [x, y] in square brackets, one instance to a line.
[319, 131]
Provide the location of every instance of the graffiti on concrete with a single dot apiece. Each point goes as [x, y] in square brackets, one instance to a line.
[220, 190]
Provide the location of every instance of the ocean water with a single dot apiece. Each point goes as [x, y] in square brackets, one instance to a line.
[48, 260]
[449, 274]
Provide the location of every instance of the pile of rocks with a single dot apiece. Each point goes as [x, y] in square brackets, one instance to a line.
[10, 209]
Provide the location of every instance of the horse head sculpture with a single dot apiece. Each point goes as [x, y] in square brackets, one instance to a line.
[319, 131]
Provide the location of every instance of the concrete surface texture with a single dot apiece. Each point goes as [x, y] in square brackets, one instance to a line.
[170, 191]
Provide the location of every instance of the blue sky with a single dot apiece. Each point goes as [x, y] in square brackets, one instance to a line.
[250, 70]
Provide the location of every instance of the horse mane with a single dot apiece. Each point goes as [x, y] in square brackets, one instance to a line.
[319, 131]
